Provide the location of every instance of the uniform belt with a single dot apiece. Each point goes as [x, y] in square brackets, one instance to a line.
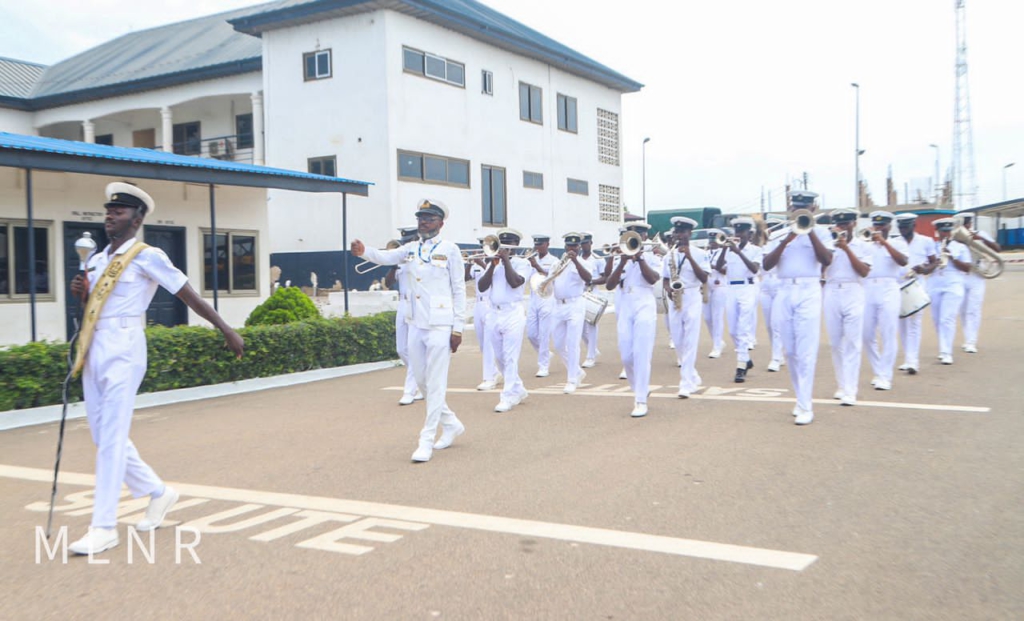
[843, 284]
[802, 280]
[881, 278]
[131, 321]
[568, 300]
[638, 290]
[504, 307]
[748, 281]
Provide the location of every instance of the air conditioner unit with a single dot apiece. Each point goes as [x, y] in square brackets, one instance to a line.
[216, 147]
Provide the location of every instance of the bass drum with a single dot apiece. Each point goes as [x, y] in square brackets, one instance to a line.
[595, 307]
[913, 297]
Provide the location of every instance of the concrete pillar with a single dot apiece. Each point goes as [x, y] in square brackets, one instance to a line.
[258, 148]
[88, 132]
[166, 130]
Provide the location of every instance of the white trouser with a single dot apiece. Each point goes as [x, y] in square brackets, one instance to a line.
[637, 321]
[538, 328]
[684, 327]
[757, 302]
[113, 372]
[881, 324]
[910, 338]
[768, 294]
[741, 309]
[714, 316]
[797, 308]
[970, 310]
[945, 308]
[429, 354]
[844, 322]
[481, 315]
[505, 337]
[567, 329]
[590, 335]
[402, 345]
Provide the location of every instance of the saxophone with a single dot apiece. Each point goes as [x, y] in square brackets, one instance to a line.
[675, 285]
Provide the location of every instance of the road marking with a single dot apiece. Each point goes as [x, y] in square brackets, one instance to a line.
[751, 398]
[763, 557]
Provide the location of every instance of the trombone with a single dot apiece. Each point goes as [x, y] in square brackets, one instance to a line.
[490, 247]
[366, 266]
[801, 222]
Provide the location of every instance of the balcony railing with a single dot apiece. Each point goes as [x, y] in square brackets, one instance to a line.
[218, 148]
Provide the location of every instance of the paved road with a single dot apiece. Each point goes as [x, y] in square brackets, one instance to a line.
[907, 506]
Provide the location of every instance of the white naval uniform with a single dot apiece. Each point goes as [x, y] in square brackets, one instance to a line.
[920, 248]
[974, 298]
[538, 316]
[636, 317]
[797, 309]
[402, 330]
[114, 369]
[590, 332]
[741, 300]
[684, 324]
[946, 290]
[844, 315]
[437, 307]
[481, 314]
[882, 307]
[567, 319]
[714, 310]
[769, 288]
[505, 328]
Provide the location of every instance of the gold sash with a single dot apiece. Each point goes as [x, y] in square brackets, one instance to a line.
[98, 297]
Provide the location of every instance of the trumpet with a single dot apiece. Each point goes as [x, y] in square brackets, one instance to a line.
[866, 234]
[367, 266]
[491, 246]
[839, 234]
[802, 222]
[722, 239]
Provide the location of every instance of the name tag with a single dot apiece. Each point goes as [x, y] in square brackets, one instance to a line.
[439, 257]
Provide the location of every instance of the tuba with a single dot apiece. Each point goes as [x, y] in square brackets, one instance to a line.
[985, 262]
[544, 285]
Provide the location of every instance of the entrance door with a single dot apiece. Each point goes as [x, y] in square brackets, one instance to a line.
[72, 231]
[166, 309]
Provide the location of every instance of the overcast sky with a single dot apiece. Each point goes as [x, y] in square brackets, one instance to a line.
[739, 95]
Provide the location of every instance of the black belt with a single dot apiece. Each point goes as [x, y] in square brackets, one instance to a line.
[748, 281]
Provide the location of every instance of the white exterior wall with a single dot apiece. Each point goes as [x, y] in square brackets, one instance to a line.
[16, 121]
[57, 195]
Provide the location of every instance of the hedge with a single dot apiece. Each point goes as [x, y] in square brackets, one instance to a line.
[186, 356]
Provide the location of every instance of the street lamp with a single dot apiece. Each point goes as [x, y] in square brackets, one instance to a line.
[856, 149]
[938, 183]
[1004, 178]
[644, 182]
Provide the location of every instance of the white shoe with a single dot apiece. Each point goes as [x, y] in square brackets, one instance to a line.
[875, 380]
[588, 363]
[715, 353]
[520, 398]
[883, 385]
[423, 452]
[773, 366]
[95, 541]
[448, 434]
[503, 406]
[804, 418]
[946, 359]
[486, 385]
[157, 510]
[569, 388]
[406, 399]
[639, 410]
[848, 400]
[543, 372]
[671, 345]
[418, 396]
[796, 411]
[904, 367]
[971, 348]
[839, 394]
[622, 374]
[683, 394]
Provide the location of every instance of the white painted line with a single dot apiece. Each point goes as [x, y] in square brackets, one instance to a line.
[763, 557]
[14, 419]
[928, 407]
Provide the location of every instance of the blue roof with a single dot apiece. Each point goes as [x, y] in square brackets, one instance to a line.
[17, 150]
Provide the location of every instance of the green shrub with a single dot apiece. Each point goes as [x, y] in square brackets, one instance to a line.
[187, 356]
[285, 305]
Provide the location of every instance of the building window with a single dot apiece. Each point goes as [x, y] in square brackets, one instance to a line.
[530, 98]
[187, 138]
[533, 180]
[567, 113]
[243, 131]
[608, 206]
[15, 266]
[433, 66]
[107, 139]
[236, 254]
[487, 79]
[326, 165]
[316, 65]
[436, 169]
[607, 137]
[578, 186]
[492, 182]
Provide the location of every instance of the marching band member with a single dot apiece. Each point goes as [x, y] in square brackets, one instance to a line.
[392, 279]
[946, 286]
[481, 313]
[768, 289]
[596, 266]
[503, 282]
[570, 312]
[922, 260]
[714, 308]
[974, 290]
[844, 303]
[882, 299]
[636, 316]
[437, 311]
[538, 316]
[688, 265]
[739, 263]
[798, 304]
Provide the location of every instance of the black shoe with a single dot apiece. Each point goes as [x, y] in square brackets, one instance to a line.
[750, 364]
[741, 376]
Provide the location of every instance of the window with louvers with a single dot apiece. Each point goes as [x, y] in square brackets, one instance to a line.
[607, 137]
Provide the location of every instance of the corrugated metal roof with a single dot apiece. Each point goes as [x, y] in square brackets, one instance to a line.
[196, 169]
[18, 77]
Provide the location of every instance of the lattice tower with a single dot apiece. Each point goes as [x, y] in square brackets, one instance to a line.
[965, 188]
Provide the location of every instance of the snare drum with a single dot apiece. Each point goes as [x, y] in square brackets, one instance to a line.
[913, 297]
[595, 307]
